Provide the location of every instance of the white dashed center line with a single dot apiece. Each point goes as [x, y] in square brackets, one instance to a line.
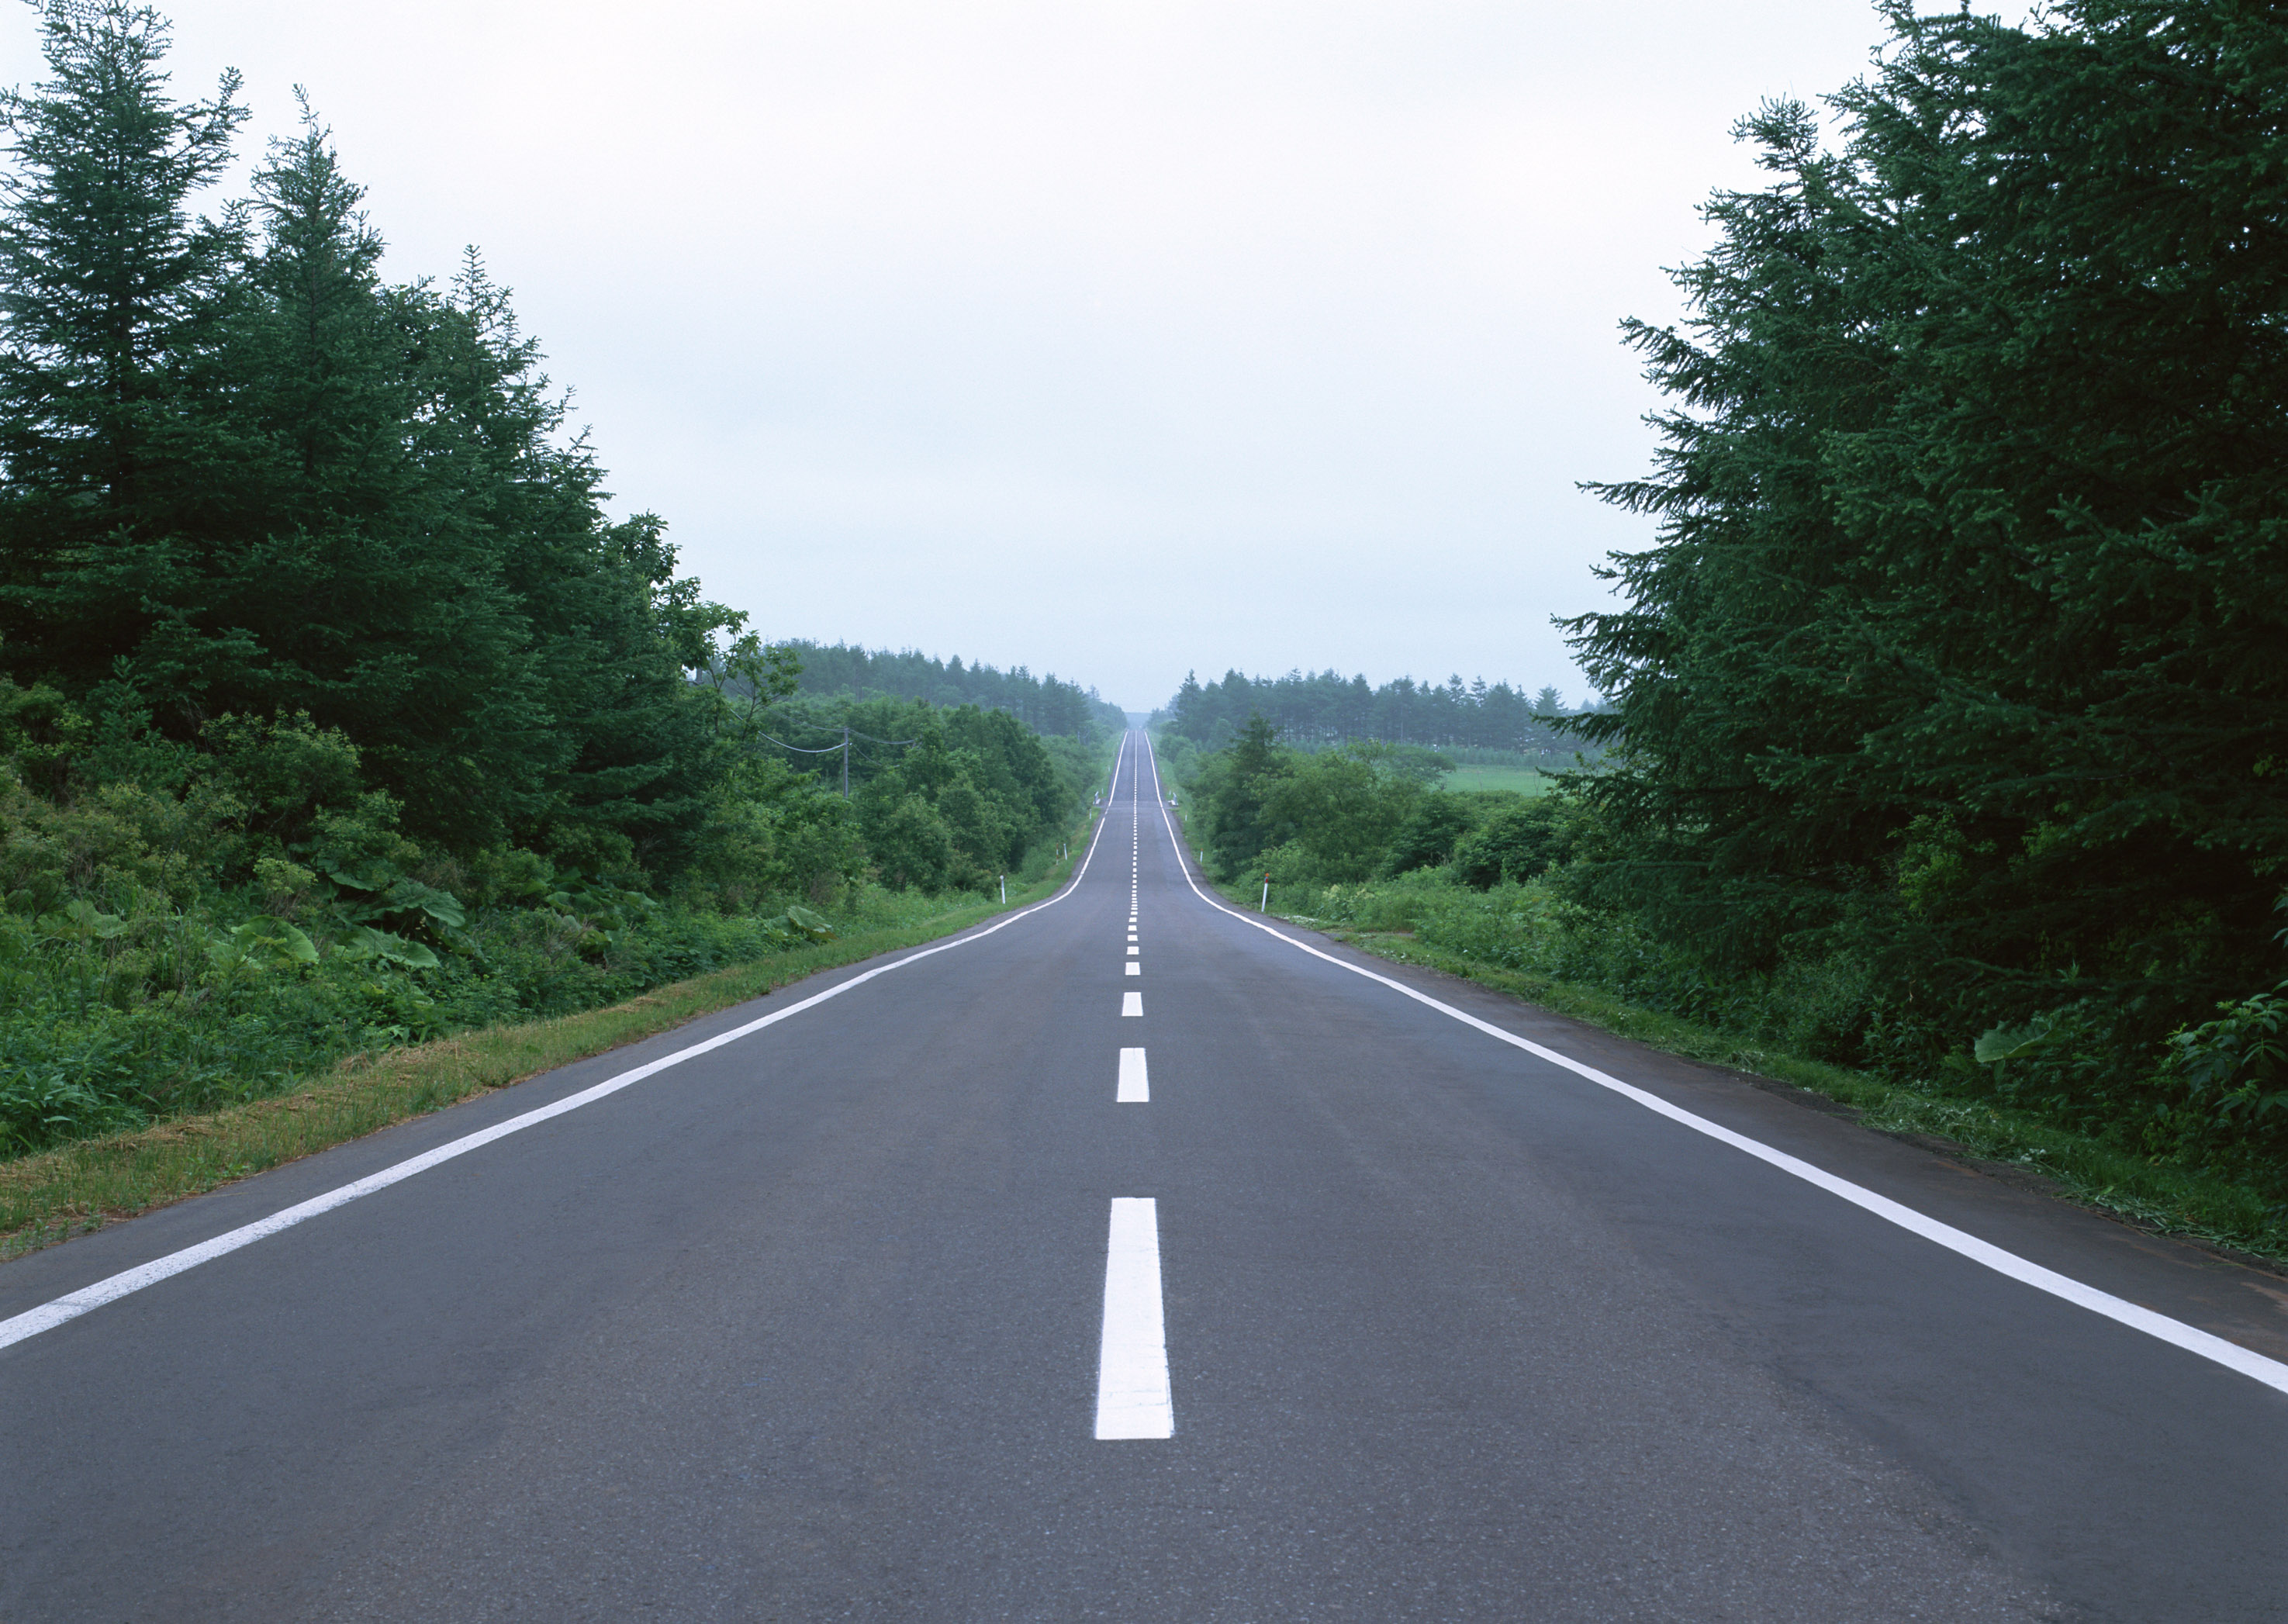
[1132, 1004]
[1132, 1382]
[1134, 1089]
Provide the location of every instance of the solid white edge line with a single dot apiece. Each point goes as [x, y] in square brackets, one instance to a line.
[2272, 1372]
[110, 1289]
[1132, 1401]
[1135, 1085]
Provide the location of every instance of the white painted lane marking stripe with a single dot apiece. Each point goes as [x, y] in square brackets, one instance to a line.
[1132, 1375]
[2231, 1355]
[1134, 1089]
[1132, 1004]
[64, 1308]
[1133, 968]
[1132, 952]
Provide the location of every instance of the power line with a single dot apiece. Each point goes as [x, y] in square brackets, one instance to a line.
[849, 735]
[832, 727]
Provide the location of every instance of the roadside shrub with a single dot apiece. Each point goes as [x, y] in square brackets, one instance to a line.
[112, 1021]
[1520, 841]
[913, 848]
[2225, 1082]
[1823, 1008]
[1430, 833]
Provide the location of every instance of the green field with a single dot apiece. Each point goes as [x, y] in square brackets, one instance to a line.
[1523, 780]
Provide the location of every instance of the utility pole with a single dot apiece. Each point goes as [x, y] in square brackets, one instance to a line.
[845, 761]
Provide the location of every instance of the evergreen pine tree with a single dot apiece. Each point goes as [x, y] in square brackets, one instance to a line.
[377, 604]
[108, 285]
[1958, 648]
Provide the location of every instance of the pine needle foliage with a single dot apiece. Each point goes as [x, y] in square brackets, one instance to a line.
[244, 475]
[335, 712]
[1959, 650]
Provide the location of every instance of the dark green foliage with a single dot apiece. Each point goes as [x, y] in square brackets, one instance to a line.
[1043, 703]
[962, 799]
[376, 592]
[1311, 710]
[1521, 841]
[1356, 812]
[2230, 1075]
[334, 710]
[1430, 832]
[912, 845]
[152, 1014]
[1230, 796]
[1334, 816]
[108, 293]
[244, 476]
[188, 928]
[773, 834]
[1960, 653]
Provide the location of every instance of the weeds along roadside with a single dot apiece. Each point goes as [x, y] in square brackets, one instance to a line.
[1427, 919]
[174, 948]
[81, 1185]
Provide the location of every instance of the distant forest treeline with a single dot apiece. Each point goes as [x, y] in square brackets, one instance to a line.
[1045, 704]
[1329, 708]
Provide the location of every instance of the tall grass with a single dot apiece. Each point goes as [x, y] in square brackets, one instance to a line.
[111, 1032]
[79, 1184]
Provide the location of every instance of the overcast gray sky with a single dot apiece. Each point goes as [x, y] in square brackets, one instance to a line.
[1112, 339]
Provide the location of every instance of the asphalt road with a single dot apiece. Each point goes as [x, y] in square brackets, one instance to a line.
[895, 1309]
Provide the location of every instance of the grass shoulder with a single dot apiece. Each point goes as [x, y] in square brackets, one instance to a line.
[82, 1186]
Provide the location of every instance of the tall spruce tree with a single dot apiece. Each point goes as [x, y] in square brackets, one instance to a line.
[243, 472]
[377, 606]
[1960, 645]
[107, 286]
[616, 634]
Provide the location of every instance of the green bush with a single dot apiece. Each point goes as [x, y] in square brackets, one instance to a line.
[213, 925]
[2234, 1070]
[1517, 843]
[1431, 831]
[112, 1021]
